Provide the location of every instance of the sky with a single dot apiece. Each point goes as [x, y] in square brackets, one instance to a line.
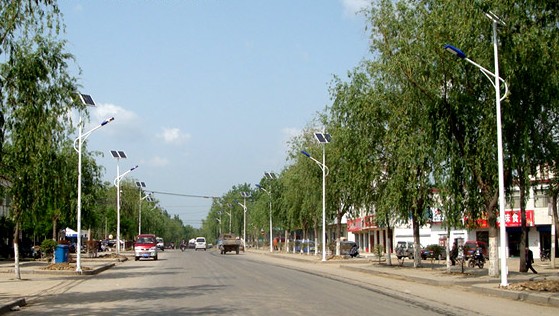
[206, 93]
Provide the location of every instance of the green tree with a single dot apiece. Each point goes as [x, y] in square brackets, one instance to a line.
[36, 94]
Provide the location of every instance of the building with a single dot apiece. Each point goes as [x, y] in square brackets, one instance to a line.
[365, 231]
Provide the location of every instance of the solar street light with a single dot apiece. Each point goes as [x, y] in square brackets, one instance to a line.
[78, 145]
[322, 138]
[495, 81]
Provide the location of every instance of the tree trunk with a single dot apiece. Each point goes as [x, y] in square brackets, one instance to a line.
[389, 245]
[316, 234]
[286, 242]
[416, 241]
[524, 234]
[338, 231]
[493, 269]
[554, 234]
[53, 229]
[447, 248]
[16, 251]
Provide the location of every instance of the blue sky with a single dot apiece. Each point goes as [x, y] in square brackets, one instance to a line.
[205, 94]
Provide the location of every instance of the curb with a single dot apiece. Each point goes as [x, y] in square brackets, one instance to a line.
[15, 303]
[541, 298]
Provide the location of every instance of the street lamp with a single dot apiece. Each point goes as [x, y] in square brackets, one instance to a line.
[230, 217]
[271, 176]
[219, 221]
[118, 154]
[322, 138]
[78, 144]
[141, 184]
[245, 195]
[494, 76]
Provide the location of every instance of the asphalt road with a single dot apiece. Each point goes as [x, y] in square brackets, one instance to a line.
[207, 283]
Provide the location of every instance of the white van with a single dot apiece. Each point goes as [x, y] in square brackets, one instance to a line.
[200, 243]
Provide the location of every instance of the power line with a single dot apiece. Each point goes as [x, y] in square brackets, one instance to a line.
[185, 195]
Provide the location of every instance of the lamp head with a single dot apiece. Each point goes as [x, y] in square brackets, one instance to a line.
[455, 51]
[107, 121]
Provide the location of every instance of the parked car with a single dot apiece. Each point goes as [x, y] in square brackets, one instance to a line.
[145, 247]
[404, 249]
[200, 243]
[433, 251]
[304, 245]
[345, 247]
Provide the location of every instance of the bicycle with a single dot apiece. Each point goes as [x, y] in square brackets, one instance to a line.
[545, 255]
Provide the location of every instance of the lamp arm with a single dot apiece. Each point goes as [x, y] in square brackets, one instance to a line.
[489, 75]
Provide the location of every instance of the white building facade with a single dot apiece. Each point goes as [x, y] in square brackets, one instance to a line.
[365, 231]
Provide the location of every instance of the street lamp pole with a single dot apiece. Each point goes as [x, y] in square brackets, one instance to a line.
[270, 200]
[496, 84]
[141, 184]
[219, 221]
[230, 219]
[245, 195]
[78, 145]
[119, 155]
[322, 138]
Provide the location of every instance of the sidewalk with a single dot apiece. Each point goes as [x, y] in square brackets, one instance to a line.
[434, 273]
[36, 281]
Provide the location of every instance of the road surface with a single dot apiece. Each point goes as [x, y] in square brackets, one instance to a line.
[207, 283]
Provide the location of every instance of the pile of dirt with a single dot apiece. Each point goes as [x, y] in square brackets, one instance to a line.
[63, 267]
[540, 286]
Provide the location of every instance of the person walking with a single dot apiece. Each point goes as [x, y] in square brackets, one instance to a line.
[530, 260]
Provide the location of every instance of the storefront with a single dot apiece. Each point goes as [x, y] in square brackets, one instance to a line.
[367, 233]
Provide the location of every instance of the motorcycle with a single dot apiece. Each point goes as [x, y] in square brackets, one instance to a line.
[477, 259]
[545, 255]
[183, 247]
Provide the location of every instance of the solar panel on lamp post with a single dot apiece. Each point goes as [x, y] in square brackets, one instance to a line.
[496, 84]
[117, 154]
[322, 138]
[78, 145]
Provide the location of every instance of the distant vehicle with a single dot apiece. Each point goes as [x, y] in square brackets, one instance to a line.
[200, 243]
[160, 243]
[192, 243]
[229, 242]
[145, 247]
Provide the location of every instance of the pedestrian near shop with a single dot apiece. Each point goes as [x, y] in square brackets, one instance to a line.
[530, 260]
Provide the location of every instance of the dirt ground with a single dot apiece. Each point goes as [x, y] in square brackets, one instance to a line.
[540, 286]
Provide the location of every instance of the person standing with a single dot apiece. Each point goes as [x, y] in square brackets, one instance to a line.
[530, 260]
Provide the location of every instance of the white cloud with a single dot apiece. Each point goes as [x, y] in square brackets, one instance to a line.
[174, 136]
[351, 7]
[106, 110]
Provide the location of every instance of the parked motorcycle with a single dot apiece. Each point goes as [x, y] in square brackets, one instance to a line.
[545, 255]
[477, 259]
